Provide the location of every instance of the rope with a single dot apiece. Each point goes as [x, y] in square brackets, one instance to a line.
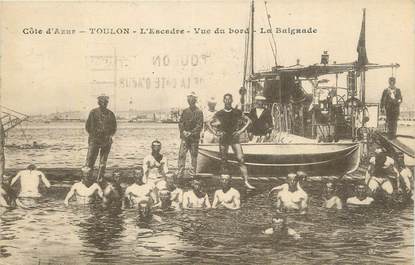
[272, 34]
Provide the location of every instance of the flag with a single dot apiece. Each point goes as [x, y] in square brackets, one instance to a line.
[361, 45]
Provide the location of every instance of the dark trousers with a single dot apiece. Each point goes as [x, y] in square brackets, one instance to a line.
[91, 157]
[392, 122]
[193, 147]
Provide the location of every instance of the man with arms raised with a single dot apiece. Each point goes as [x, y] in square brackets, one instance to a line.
[227, 197]
[291, 197]
[85, 191]
[229, 134]
[30, 180]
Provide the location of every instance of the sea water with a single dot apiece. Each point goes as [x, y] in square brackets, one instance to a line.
[50, 233]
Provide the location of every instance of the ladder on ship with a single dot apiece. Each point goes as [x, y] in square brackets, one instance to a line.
[11, 118]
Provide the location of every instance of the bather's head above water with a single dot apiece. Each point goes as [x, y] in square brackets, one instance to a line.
[86, 177]
[156, 147]
[361, 192]
[138, 175]
[225, 181]
[292, 181]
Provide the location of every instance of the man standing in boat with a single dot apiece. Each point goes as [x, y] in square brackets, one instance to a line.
[101, 126]
[190, 126]
[262, 124]
[389, 104]
[229, 134]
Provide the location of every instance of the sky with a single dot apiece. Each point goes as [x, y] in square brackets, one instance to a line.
[44, 73]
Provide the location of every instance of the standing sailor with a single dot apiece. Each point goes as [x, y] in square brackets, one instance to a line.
[261, 121]
[390, 102]
[209, 136]
[190, 126]
[101, 126]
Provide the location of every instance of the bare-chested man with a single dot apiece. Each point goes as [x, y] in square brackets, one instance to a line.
[85, 191]
[112, 191]
[139, 191]
[291, 197]
[331, 200]
[30, 180]
[196, 198]
[227, 197]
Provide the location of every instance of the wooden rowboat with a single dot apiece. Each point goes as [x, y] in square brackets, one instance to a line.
[270, 159]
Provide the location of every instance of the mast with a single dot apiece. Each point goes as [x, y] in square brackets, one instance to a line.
[251, 31]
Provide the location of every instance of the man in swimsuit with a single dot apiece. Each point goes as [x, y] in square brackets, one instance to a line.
[226, 197]
[155, 165]
[112, 191]
[139, 191]
[85, 191]
[380, 172]
[196, 198]
[229, 134]
[30, 180]
[331, 200]
[361, 198]
[291, 197]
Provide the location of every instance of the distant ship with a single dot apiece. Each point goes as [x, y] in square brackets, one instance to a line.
[174, 116]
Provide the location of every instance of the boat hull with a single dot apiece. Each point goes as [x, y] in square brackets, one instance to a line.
[280, 159]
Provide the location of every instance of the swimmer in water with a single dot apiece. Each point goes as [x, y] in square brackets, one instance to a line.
[331, 200]
[361, 198]
[30, 180]
[112, 193]
[291, 197]
[227, 197]
[85, 191]
[8, 198]
[279, 228]
[176, 195]
[196, 198]
[139, 191]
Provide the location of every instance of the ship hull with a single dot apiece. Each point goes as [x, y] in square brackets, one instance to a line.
[279, 159]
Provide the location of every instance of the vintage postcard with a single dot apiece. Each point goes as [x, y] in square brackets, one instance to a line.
[207, 132]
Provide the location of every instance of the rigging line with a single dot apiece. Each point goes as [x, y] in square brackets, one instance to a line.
[272, 34]
[245, 59]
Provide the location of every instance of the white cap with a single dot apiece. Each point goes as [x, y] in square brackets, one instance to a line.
[212, 100]
[192, 93]
[259, 97]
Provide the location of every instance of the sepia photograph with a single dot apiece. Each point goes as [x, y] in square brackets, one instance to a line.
[207, 132]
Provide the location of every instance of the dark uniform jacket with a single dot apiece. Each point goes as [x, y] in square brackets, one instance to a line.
[389, 103]
[191, 120]
[101, 125]
[260, 125]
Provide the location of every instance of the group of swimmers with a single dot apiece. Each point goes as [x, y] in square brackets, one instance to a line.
[154, 188]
